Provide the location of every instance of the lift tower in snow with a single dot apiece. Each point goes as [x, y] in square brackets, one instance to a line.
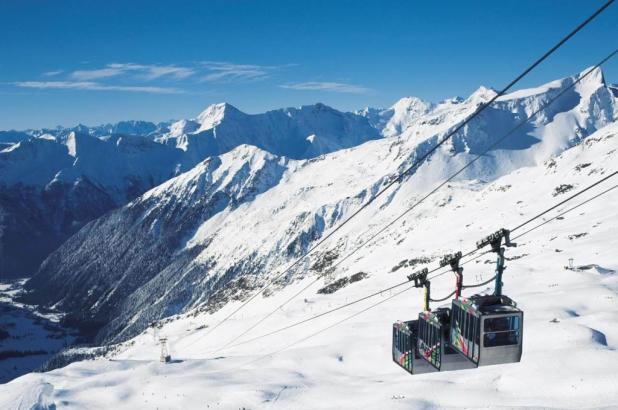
[165, 356]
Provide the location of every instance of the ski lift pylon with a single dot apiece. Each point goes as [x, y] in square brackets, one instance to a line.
[165, 356]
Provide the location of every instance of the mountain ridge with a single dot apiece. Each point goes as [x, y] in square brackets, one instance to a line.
[208, 259]
[116, 168]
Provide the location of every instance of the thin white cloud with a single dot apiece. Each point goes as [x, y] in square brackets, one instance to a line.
[224, 71]
[141, 71]
[131, 77]
[152, 72]
[327, 86]
[95, 74]
[94, 86]
[53, 73]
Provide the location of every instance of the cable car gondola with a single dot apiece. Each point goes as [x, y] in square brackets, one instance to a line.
[488, 329]
[477, 331]
[434, 327]
[405, 352]
[422, 346]
[433, 341]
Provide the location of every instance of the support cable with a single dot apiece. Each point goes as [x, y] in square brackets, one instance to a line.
[478, 285]
[444, 298]
[325, 313]
[565, 201]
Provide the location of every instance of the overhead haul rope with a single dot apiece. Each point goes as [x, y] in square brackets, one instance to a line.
[444, 298]
[568, 210]
[566, 200]
[418, 161]
[611, 175]
[478, 285]
[317, 316]
[413, 206]
[326, 328]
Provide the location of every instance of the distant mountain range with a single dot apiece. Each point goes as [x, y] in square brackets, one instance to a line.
[134, 228]
[54, 181]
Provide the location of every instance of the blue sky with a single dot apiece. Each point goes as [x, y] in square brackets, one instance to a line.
[91, 62]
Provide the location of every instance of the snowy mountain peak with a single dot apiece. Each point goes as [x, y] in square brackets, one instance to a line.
[400, 116]
[222, 127]
[412, 105]
[592, 83]
[595, 77]
[214, 114]
[183, 127]
[481, 95]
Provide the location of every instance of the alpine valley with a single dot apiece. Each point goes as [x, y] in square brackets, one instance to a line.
[125, 228]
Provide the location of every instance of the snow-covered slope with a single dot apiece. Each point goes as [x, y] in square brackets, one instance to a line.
[160, 225]
[214, 233]
[54, 181]
[402, 115]
[571, 316]
[49, 189]
[115, 164]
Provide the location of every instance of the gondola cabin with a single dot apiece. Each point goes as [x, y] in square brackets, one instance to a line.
[405, 353]
[433, 341]
[487, 329]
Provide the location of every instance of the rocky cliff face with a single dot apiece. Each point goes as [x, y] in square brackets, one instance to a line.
[49, 190]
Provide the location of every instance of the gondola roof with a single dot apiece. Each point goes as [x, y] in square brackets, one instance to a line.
[488, 304]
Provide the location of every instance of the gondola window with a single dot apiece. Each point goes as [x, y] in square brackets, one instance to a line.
[501, 331]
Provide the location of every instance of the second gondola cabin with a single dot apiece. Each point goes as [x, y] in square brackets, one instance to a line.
[405, 352]
[433, 341]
